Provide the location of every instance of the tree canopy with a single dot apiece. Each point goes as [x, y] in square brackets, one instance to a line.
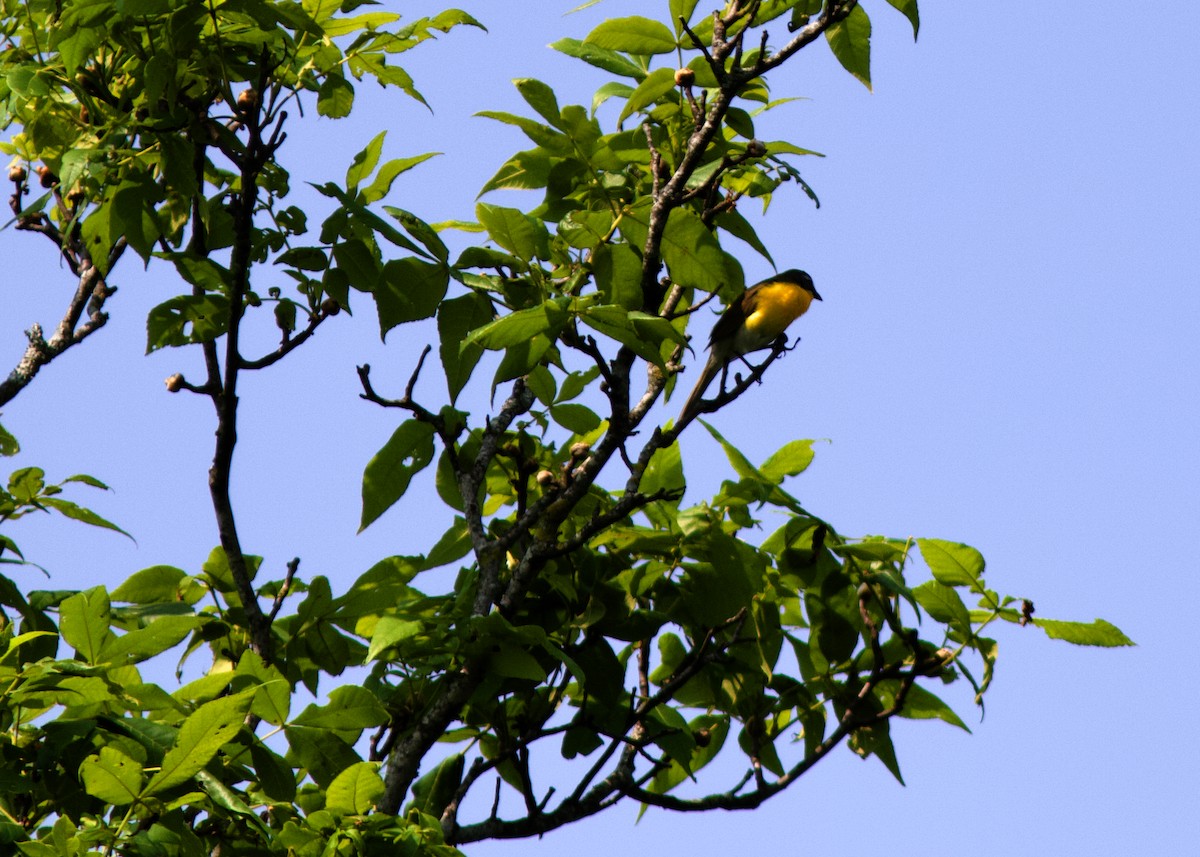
[607, 636]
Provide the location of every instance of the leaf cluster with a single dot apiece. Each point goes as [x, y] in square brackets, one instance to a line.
[598, 616]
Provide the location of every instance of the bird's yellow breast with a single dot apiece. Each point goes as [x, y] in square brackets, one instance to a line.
[776, 306]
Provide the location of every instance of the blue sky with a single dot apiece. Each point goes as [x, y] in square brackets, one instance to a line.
[1006, 356]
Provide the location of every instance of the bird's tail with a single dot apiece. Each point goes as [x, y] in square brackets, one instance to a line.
[710, 370]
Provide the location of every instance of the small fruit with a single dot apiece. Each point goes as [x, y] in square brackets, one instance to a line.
[17, 173]
[330, 307]
[46, 177]
[175, 383]
[756, 148]
[75, 195]
[545, 478]
[580, 450]
[684, 77]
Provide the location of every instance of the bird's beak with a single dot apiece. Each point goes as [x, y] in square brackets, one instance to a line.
[817, 295]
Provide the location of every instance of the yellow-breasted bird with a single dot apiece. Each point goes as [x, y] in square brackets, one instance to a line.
[753, 321]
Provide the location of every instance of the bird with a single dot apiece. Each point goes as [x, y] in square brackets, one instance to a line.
[753, 321]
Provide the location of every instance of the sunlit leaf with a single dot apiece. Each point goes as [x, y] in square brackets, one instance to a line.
[850, 40]
[407, 452]
[1096, 633]
[632, 35]
[205, 731]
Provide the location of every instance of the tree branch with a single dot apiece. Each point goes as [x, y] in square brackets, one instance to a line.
[90, 295]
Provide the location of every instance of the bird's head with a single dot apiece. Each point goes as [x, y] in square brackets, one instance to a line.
[799, 278]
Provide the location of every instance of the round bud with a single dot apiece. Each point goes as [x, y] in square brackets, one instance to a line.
[580, 449]
[544, 478]
[175, 383]
[330, 307]
[17, 173]
[45, 177]
[756, 148]
[247, 100]
[684, 77]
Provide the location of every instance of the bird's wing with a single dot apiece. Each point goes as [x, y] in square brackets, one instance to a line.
[732, 320]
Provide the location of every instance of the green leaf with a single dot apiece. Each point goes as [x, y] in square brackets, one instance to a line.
[579, 419]
[693, 256]
[664, 472]
[273, 699]
[519, 327]
[158, 636]
[349, 708]
[86, 480]
[456, 318]
[407, 452]
[422, 231]
[454, 544]
[850, 40]
[219, 575]
[943, 604]
[389, 631]
[26, 484]
[791, 459]
[79, 513]
[518, 233]
[657, 83]
[952, 563]
[335, 98]
[83, 623]
[920, 704]
[356, 790]
[186, 319]
[112, 776]
[1097, 633]
[275, 775]
[633, 35]
[875, 740]
[409, 289]
[515, 662]
[681, 9]
[587, 230]
[205, 731]
[321, 752]
[364, 162]
[737, 226]
[523, 171]
[741, 465]
[433, 792]
[547, 138]
[521, 358]
[618, 271]
[541, 98]
[615, 322]
[909, 8]
[8, 444]
[229, 800]
[388, 174]
[360, 262]
[609, 60]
